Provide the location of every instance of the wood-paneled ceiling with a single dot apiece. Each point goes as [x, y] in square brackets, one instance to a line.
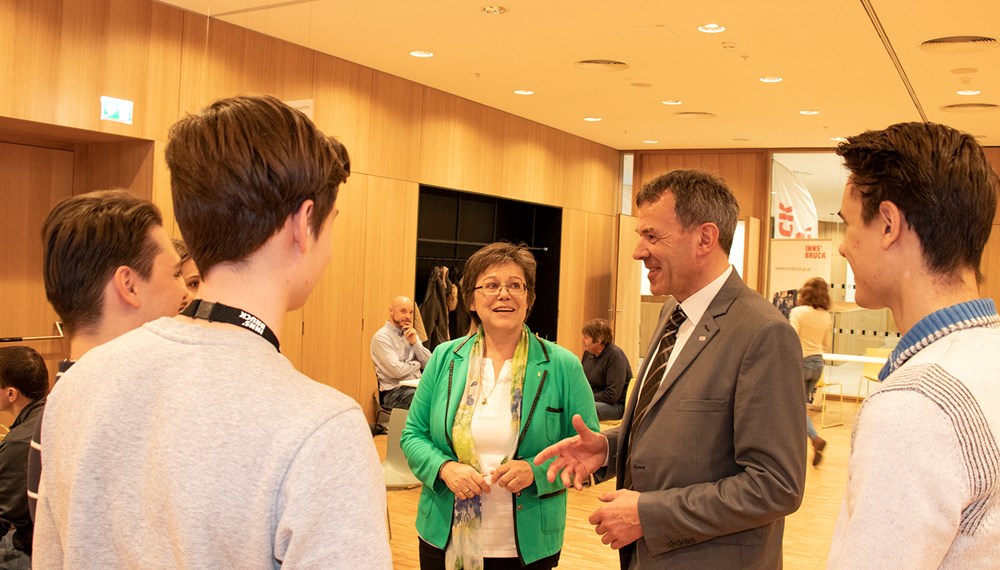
[858, 63]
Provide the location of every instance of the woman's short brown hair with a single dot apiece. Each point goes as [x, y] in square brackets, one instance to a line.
[243, 165]
[815, 293]
[599, 330]
[499, 253]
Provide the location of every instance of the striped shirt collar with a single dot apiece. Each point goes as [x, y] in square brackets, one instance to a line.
[967, 315]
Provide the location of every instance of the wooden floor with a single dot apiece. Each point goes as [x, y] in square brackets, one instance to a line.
[807, 532]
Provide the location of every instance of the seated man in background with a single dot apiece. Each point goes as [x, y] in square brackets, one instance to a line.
[109, 267]
[398, 355]
[607, 369]
[216, 452]
[24, 382]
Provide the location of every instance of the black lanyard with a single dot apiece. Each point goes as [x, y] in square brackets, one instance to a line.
[219, 313]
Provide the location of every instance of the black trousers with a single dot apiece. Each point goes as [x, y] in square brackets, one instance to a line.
[432, 558]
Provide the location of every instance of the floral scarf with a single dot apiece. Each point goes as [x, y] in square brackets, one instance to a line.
[465, 549]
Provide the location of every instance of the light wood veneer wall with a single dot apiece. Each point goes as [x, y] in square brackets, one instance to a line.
[57, 57]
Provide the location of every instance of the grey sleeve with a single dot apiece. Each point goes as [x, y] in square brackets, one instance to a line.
[331, 507]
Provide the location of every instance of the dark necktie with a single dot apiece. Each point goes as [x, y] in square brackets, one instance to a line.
[651, 381]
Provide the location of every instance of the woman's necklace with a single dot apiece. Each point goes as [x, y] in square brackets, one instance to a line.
[489, 394]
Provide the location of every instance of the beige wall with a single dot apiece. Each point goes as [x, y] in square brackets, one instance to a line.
[57, 57]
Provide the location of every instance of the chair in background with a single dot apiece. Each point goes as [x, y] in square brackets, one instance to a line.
[824, 389]
[869, 372]
[395, 469]
[607, 424]
[382, 413]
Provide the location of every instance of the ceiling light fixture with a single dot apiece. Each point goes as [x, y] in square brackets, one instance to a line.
[838, 139]
[591, 119]
[650, 141]
[808, 112]
[523, 92]
[968, 92]
[671, 102]
[711, 28]
[771, 79]
[494, 10]
[421, 53]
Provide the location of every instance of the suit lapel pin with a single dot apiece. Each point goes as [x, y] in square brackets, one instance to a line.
[701, 338]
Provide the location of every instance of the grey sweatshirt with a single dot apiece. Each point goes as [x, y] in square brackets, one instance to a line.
[183, 446]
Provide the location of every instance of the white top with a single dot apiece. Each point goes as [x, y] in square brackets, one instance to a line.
[491, 436]
[815, 329]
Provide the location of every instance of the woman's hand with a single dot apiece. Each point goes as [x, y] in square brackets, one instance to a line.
[463, 480]
[515, 475]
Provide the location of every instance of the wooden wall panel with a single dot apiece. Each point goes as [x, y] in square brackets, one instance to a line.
[276, 67]
[212, 62]
[390, 253]
[591, 179]
[586, 270]
[127, 165]
[395, 127]
[172, 62]
[35, 179]
[333, 343]
[463, 142]
[991, 267]
[532, 167]
[29, 52]
[343, 106]
[121, 48]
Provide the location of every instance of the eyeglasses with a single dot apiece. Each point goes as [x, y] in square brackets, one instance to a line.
[492, 289]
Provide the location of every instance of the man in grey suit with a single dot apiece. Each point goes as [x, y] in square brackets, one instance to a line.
[709, 455]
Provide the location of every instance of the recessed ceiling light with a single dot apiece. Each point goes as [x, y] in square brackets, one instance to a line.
[711, 28]
[495, 10]
[808, 112]
[421, 53]
[968, 92]
[771, 79]
[671, 102]
[523, 92]
[838, 139]
[592, 119]
[650, 141]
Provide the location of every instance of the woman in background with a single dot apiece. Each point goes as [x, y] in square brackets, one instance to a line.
[189, 271]
[487, 403]
[811, 320]
[607, 369]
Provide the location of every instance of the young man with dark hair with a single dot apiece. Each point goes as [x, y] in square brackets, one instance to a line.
[108, 268]
[218, 452]
[924, 471]
[24, 381]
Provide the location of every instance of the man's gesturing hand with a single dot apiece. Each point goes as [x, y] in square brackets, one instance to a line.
[576, 457]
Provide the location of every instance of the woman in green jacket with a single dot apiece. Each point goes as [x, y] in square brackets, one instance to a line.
[486, 404]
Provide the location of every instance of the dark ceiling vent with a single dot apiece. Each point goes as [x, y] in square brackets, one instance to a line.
[958, 44]
[970, 107]
[694, 115]
[602, 64]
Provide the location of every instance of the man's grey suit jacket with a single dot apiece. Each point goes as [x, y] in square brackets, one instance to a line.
[720, 458]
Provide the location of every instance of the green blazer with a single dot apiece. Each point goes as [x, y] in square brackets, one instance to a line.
[555, 388]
